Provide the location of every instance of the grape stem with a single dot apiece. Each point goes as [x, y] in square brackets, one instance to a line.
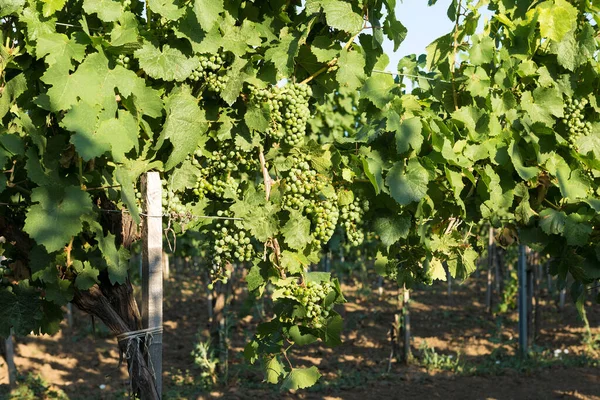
[284, 352]
[68, 249]
[333, 61]
[265, 172]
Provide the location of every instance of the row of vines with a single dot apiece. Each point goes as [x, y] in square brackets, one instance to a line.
[280, 138]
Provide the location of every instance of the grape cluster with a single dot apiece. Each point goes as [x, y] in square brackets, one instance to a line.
[212, 71]
[574, 120]
[301, 191]
[288, 106]
[216, 169]
[352, 217]
[311, 296]
[302, 183]
[408, 273]
[229, 243]
[124, 61]
[324, 214]
[173, 206]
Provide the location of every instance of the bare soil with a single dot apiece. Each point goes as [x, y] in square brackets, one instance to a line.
[85, 365]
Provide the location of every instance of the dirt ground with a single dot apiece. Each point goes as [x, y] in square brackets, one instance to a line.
[85, 365]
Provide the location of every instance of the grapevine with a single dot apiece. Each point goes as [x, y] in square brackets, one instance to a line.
[268, 113]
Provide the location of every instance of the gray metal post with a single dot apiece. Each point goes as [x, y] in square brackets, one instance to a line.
[152, 271]
[522, 274]
[491, 250]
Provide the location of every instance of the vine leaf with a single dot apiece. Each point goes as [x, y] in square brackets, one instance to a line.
[60, 293]
[166, 8]
[57, 207]
[116, 260]
[392, 229]
[57, 47]
[107, 10]
[408, 133]
[377, 90]
[437, 270]
[185, 126]
[297, 231]
[169, 64]
[556, 18]
[21, 310]
[273, 370]
[407, 185]
[526, 173]
[339, 15]
[300, 378]
[553, 221]
[351, 72]
[283, 54]
[207, 12]
[87, 276]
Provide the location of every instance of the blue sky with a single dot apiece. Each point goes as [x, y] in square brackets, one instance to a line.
[424, 24]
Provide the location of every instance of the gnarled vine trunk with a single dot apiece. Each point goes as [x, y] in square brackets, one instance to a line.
[117, 308]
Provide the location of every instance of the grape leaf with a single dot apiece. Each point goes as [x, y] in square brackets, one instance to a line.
[116, 260]
[284, 53]
[524, 172]
[57, 207]
[273, 370]
[207, 12]
[166, 8]
[339, 15]
[94, 83]
[60, 293]
[577, 232]
[407, 185]
[87, 276]
[556, 18]
[296, 231]
[107, 10]
[394, 30]
[377, 90]
[168, 64]
[392, 229]
[351, 73]
[409, 133]
[57, 47]
[300, 378]
[185, 126]
[437, 270]
[21, 310]
[552, 221]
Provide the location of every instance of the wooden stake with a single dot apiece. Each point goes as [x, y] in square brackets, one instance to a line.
[166, 267]
[69, 315]
[10, 360]
[152, 271]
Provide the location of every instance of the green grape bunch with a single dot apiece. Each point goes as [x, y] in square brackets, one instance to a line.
[230, 243]
[302, 191]
[574, 120]
[311, 297]
[289, 109]
[219, 170]
[211, 70]
[173, 206]
[124, 61]
[324, 215]
[301, 185]
[352, 220]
